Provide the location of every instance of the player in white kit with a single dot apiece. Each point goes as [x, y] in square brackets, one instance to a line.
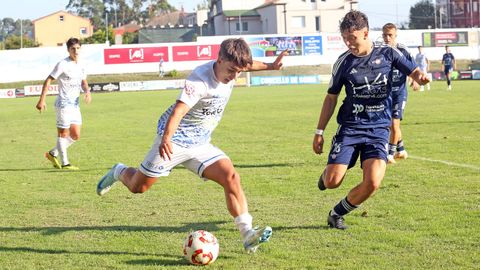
[72, 78]
[184, 132]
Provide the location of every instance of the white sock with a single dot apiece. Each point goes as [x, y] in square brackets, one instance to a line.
[244, 223]
[119, 170]
[54, 151]
[62, 145]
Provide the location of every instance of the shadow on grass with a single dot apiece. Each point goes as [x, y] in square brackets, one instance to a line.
[265, 165]
[160, 262]
[176, 260]
[209, 226]
[52, 170]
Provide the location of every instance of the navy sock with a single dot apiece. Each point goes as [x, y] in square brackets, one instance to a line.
[392, 148]
[400, 146]
[448, 81]
[343, 207]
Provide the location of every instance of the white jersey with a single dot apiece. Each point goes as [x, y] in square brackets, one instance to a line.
[421, 60]
[207, 99]
[69, 76]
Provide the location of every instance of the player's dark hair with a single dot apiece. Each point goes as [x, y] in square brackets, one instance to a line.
[73, 41]
[389, 26]
[236, 50]
[353, 21]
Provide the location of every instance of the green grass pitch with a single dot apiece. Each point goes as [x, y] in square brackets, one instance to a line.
[426, 215]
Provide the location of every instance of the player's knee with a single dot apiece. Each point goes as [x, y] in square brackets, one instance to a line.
[75, 137]
[333, 181]
[372, 186]
[141, 188]
[232, 180]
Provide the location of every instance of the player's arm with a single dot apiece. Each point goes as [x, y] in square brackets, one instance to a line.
[165, 148]
[41, 104]
[86, 90]
[276, 65]
[454, 63]
[328, 109]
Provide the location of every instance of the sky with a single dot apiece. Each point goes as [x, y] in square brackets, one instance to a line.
[379, 11]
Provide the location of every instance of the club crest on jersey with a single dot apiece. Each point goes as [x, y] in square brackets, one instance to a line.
[189, 89]
[377, 61]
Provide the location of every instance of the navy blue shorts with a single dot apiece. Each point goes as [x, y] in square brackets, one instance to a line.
[399, 100]
[349, 143]
[398, 108]
[447, 69]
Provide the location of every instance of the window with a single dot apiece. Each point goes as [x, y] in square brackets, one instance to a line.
[83, 31]
[244, 27]
[317, 23]
[298, 21]
[61, 18]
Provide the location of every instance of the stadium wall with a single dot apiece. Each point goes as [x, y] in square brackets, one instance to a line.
[315, 49]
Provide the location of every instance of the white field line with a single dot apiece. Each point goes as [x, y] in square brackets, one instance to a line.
[469, 166]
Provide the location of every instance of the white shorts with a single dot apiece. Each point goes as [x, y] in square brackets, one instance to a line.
[68, 116]
[195, 159]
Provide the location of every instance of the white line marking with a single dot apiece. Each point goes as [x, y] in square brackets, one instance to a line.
[469, 166]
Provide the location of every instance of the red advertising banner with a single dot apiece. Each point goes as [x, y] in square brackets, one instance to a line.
[195, 52]
[135, 55]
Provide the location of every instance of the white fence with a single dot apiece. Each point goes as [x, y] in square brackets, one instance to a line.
[321, 48]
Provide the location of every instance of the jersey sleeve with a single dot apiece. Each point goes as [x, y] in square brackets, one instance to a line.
[403, 63]
[192, 92]
[58, 70]
[336, 82]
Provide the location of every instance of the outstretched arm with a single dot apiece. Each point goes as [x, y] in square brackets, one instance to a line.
[276, 65]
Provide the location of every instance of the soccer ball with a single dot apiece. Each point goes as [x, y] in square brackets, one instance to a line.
[201, 248]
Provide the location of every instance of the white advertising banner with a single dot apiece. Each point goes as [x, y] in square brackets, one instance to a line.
[7, 93]
[151, 85]
[36, 90]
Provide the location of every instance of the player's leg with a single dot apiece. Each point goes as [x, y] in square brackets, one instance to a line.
[395, 136]
[223, 172]
[373, 155]
[447, 75]
[373, 173]
[342, 156]
[141, 179]
[332, 177]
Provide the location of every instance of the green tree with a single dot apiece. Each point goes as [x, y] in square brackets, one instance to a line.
[93, 9]
[14, 42]
[98, 37]
[422, 15]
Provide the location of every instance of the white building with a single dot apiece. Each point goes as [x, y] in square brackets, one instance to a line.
[233, 17]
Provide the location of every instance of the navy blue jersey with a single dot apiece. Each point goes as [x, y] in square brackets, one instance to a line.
[399, 79]
[367, 81]
[447, 59]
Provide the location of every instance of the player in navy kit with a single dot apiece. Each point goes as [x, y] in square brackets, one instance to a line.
[396, 148]
[449, 64]
[364, 118]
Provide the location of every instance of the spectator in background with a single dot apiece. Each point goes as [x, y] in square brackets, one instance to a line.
[423, 63]
[449, 65]
[160, 68]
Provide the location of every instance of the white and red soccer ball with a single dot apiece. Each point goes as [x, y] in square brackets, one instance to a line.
[201, 248]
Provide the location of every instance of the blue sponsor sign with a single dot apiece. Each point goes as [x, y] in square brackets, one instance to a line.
[277, 80]
[312, 45]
